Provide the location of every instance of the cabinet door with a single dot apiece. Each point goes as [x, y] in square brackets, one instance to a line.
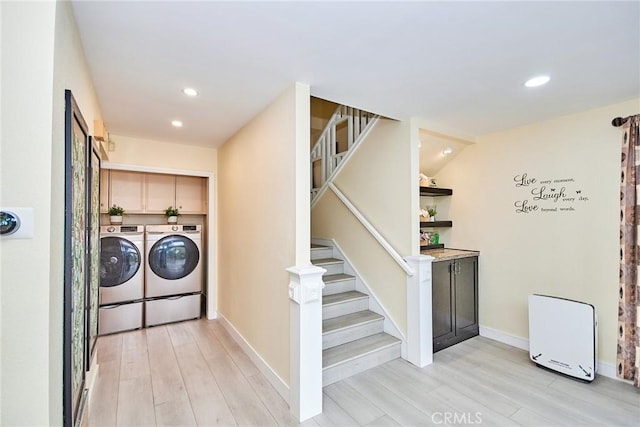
[104, 190]
[442, 293]
[466, 296]
[127, 190]
[191, 194]
[160, 192]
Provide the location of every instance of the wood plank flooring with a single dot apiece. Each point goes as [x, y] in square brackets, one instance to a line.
[193, 373]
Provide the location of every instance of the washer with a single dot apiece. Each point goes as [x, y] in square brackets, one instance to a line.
[121, 278]
[173, 269]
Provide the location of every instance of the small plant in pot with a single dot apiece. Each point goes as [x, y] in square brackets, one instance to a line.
[172, 214]
[115, 214]
[432, 213]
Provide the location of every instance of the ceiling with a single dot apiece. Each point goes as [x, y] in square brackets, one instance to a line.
[457, 65]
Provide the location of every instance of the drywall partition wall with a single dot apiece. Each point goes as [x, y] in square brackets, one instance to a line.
[528, 241]
[25, 169]
[377, 179]
[148, 153]
[261, 226]
[37, 66]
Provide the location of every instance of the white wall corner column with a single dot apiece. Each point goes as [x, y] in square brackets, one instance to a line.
[419, 312]
[305, 294]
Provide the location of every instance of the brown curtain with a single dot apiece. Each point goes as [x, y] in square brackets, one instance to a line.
[628, 354]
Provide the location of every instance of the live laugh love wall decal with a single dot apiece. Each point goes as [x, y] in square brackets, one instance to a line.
[547, 195]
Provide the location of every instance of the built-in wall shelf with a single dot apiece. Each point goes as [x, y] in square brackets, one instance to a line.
[436, 224]
[432, 225]
[435, 191]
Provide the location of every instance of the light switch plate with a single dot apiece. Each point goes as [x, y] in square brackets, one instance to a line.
[24, 229]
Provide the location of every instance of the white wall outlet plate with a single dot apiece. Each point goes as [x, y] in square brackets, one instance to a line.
[16, 223]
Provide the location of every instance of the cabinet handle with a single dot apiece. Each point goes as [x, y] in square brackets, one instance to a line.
[455, 267]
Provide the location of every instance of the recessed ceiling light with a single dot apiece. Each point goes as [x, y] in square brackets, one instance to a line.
[447, 151]
[537, 81]
[176, 123]
[189, 91]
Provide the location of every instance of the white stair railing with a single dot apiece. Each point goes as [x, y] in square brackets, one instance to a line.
[372, 230]
[345, 129]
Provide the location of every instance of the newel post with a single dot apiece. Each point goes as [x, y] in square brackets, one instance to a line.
[419, 312]
[305, 295]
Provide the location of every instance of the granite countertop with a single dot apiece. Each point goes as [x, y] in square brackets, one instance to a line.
[449, 254]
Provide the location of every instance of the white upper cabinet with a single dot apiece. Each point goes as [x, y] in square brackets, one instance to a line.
[127, 190]
[191, 194]
[104, 190]
[160, 192]
[152, 193]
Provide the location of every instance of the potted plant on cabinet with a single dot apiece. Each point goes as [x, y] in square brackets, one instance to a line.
[172, 214]
[115, 214]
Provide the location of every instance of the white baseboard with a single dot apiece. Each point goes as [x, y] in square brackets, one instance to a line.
[92, 374]
[605, 369]
[90, 379]
[212, 315]
[281, 387]
[608, 370]
[503, 337]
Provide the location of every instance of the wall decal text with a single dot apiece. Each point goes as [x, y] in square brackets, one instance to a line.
[547, 195]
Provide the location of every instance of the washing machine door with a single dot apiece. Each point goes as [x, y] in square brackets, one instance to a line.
[173, 257]
[119, 261]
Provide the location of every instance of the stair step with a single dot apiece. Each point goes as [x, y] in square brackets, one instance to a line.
[338, 283]
[356, 356]
[335, 305]
[332, 265]
[350, 327]
[320, 251]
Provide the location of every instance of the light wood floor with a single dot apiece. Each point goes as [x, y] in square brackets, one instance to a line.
[193, 373]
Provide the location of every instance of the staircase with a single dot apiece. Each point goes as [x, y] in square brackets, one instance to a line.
[344, 131]
[353, 339]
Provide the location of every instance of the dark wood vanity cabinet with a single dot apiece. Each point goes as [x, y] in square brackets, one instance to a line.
[455, 301]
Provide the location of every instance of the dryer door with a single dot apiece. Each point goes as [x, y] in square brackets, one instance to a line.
[119, 261]
[173, 257]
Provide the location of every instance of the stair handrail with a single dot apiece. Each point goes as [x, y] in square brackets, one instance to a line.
[359, 123]
[372, 230]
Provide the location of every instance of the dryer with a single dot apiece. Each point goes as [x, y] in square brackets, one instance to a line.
[173, 283]
[121, 290]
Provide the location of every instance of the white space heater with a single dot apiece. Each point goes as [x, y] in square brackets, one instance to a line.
[563, 336]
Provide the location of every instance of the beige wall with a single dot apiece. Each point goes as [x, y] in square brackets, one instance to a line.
[262, 227]
[142, 152]
[35, 72]
[571, 254]
[26, 168]
[378, 180]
